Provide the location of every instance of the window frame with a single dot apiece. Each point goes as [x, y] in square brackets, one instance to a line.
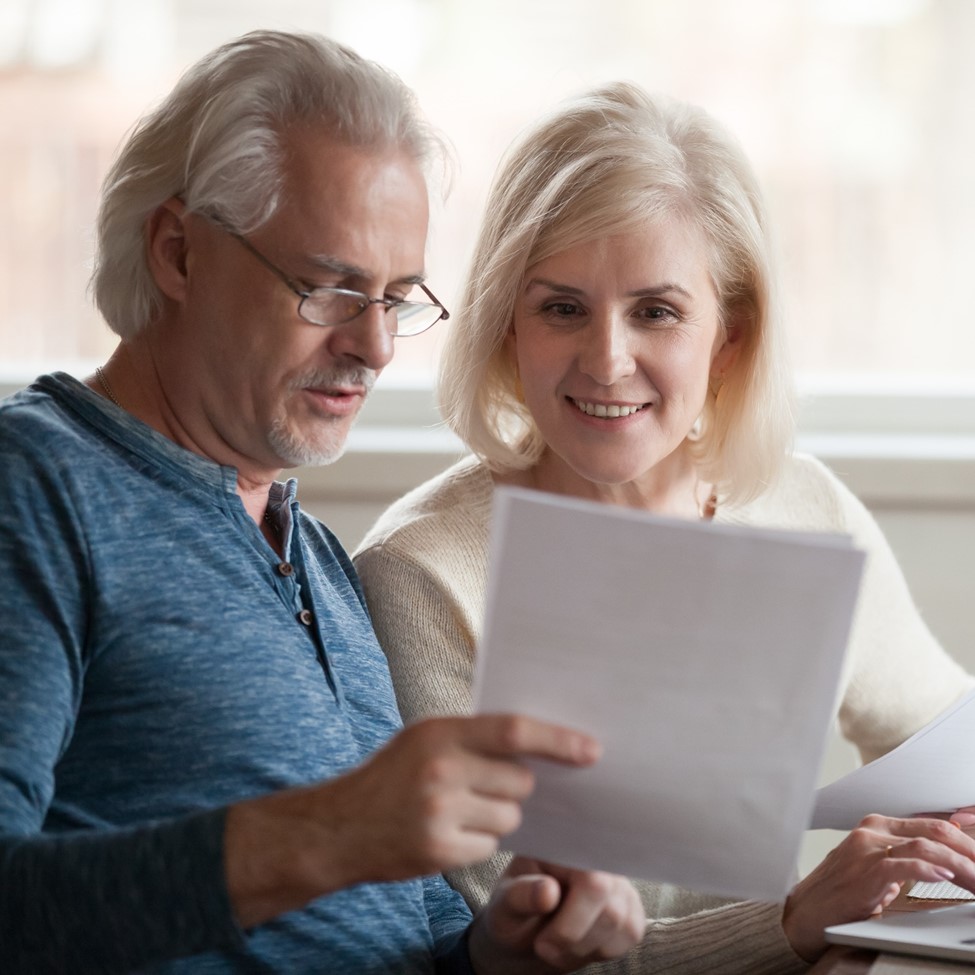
[894, 443]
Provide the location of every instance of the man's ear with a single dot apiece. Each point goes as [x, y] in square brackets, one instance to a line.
[166, 247]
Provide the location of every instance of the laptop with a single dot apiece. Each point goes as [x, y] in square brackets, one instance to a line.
[944, 932]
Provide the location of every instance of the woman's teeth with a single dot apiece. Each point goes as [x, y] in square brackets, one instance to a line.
[600, 409]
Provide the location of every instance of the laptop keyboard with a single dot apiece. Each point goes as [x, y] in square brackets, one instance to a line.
[943, 890]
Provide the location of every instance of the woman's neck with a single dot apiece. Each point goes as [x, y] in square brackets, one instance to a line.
[672, 487]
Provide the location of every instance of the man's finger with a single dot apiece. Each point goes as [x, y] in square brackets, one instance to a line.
[517, 736]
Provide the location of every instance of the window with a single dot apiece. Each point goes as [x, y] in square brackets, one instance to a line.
[856, 114]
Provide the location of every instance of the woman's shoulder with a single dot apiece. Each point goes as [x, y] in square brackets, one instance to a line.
[452, 508]
[806, 495]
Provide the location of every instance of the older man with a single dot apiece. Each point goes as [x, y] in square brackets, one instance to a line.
[201, 761]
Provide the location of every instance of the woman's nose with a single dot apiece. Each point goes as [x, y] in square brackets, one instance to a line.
[606, 355]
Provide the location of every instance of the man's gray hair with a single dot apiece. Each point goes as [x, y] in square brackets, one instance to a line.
[216, 143]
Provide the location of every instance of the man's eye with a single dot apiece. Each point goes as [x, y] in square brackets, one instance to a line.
[318, 289]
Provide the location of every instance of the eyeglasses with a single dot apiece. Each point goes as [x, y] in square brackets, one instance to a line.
[336, 306]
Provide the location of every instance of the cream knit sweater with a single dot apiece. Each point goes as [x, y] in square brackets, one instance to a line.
[423, 567]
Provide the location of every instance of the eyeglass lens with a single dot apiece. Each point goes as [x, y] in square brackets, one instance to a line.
[337, 307]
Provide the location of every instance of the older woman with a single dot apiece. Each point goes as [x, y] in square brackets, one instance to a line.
[618, 339]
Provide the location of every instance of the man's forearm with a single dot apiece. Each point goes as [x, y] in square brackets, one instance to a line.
[277, 856]
[113, 901]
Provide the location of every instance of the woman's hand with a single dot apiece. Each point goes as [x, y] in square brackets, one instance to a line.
[865, 872]
[964, 816]
[544, 918]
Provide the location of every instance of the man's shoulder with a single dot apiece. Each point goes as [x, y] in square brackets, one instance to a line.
[324, 546]
[36, 421]
[449, 508]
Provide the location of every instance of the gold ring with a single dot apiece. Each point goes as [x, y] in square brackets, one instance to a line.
[887, 851]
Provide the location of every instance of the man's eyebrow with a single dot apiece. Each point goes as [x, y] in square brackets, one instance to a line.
[325, 262]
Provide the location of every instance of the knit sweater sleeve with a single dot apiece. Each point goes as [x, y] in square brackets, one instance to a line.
[429, 628]
[427, 638]
[898, 677]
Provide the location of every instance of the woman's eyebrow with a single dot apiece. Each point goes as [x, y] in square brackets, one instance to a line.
[668, 287]
[654, 291]
[553, 286]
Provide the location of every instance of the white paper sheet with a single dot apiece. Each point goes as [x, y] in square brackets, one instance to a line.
[706, 660]
[931, 772]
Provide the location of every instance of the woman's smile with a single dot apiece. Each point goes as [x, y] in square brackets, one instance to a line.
[615, 340]
[608, 411]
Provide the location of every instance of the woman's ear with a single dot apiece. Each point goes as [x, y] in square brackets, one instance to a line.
[734, 330]
[166, 247]
[510, 347]
[509, 338]
[511, 353]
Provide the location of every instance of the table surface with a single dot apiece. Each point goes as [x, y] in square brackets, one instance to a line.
[844, 961]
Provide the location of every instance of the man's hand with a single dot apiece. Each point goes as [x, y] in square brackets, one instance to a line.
[439, 795]
[544, 919]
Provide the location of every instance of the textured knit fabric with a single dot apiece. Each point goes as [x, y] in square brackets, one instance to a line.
[158, 662]
[423, 567]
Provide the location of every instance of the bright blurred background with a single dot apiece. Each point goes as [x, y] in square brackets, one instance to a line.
[856, 113]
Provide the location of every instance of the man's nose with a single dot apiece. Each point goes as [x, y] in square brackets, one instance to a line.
[367, 337]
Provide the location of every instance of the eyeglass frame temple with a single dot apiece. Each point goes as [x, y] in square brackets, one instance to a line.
[444, 314]
[295, 289]
[273, 268]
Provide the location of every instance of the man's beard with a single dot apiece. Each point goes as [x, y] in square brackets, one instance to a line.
[298, 449]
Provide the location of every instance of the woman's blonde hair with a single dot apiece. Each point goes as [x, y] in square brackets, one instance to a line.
[217, 143]
[599, 166]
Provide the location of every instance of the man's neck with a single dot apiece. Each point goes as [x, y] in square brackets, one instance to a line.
[132, 381]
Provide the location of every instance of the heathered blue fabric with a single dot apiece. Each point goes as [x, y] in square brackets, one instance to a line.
[152, 670]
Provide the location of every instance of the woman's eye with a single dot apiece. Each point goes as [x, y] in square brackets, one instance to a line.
[656, 313]
[562, 309]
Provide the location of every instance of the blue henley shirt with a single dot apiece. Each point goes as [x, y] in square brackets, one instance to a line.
[159, 661]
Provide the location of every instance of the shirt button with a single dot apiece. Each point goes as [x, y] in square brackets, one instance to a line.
[286, 568]
[305, 617]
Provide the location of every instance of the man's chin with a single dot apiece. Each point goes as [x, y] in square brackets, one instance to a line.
[295, 452]
[313, 458]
